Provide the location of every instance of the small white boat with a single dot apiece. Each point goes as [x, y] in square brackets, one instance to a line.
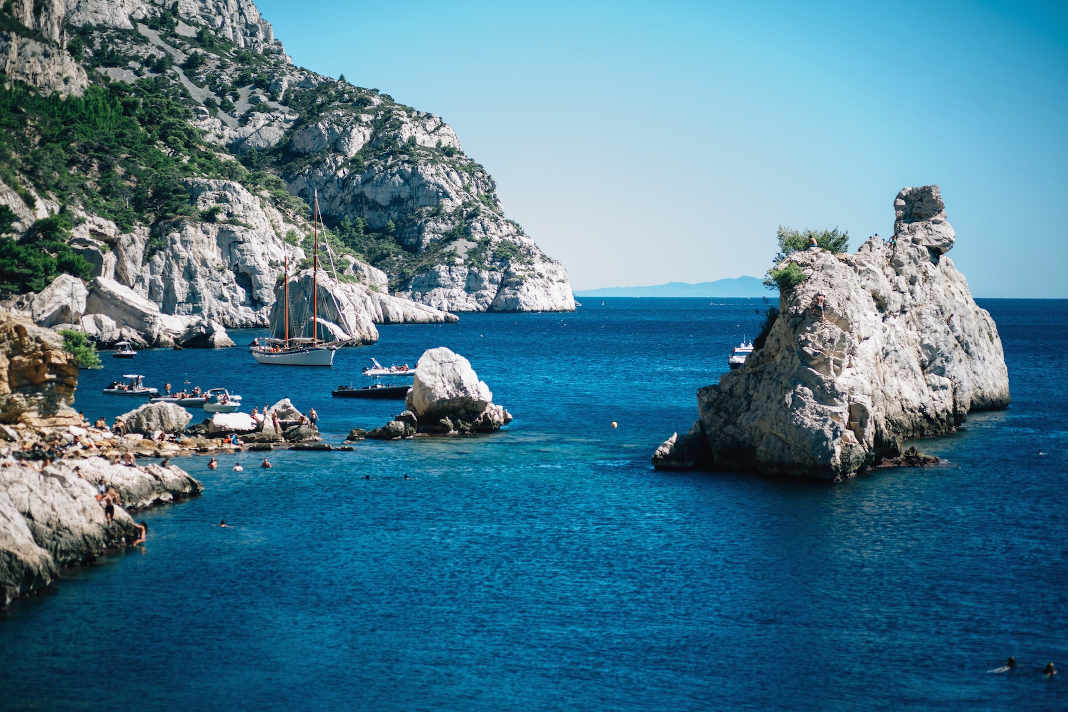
[376, 369]
[219, 400]
[134, 386]
[740, 354]
[124, 349]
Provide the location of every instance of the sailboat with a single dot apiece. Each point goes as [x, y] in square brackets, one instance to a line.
[298, 351]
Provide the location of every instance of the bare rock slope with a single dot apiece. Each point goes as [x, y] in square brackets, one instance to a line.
[898, 350]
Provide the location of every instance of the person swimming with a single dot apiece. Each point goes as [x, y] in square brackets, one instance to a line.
[238, 468]
[213, 464]
[222, 523]
[266, 464]
[1049, 670]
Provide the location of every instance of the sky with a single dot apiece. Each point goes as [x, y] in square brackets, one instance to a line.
[641, 143]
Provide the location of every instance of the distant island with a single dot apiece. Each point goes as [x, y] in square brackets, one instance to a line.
[732, 287]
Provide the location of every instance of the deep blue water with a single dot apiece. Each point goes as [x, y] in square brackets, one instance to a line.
[548, 567]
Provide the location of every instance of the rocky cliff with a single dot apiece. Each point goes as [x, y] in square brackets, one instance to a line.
[869, 350]
[37, 377]
[188, 157]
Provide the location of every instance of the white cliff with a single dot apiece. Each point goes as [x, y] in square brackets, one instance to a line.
[898, 350]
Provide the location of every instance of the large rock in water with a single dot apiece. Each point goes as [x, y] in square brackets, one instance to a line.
[153, 417]
[899, 350]
[348, 311]
[446, 397]
[37, 377]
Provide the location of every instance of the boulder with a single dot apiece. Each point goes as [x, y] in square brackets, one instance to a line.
[446, 385]
[61, 302]
[204, 334]
[301, 433]
[225, 423]
[446, 398]
[869, 350]
[152, 418]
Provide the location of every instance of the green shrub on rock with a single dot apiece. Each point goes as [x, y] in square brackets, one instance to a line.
[75, 342]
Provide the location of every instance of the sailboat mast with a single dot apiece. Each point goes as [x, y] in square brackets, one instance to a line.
[315, 274]
[285, 277]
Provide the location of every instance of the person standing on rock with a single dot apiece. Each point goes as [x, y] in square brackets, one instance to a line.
[313, 417]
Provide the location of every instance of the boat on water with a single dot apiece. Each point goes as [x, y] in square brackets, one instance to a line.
[376, 369]
[124, 349]
[220, 400]
[298, 351]
[740, 354]
[187, 401]
[134, 386]
[375, 390]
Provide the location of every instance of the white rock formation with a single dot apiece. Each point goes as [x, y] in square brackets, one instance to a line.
[52, 519]
[152, 418]
[898, 350]
[231, 423]
[61, 302]
[42, 65]
[446, 398]
[352, 308]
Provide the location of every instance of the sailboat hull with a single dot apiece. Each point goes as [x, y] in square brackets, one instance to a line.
[320, 356]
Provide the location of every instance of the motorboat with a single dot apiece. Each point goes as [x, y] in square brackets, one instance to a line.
[740, 354]
[124, 349]
[375, 390]
[134, 386]
[376, 369]
[186, 401]
[220, 400]
[297, 351]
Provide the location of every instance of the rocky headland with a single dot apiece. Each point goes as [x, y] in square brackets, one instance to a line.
[446, 398]
[50, 464]
[181, 222]
[871, 349]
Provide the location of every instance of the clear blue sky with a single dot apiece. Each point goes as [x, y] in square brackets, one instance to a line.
[646, 143]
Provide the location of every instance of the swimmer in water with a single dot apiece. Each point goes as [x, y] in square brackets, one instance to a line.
[1009, 666]
[238, 468]
[1049, 670]
[223, 523]
[213, 464]
[266, 464]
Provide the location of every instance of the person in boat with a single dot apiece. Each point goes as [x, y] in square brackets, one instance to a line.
[167, 388]
[196, 391]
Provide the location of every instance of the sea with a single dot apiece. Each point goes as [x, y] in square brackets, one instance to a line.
[549, 567]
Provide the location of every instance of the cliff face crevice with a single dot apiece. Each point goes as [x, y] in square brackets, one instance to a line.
[871, 349]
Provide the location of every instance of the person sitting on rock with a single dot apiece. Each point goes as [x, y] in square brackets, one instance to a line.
[128, 459]
[101, 424]
[812, 241]
[120, 427]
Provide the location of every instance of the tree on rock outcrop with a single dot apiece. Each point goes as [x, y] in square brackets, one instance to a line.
[790, 241]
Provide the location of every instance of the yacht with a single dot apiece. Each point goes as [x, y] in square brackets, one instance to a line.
[219, 400]
[740, 354]
[376, 369]
[134, 386]
[298, 351]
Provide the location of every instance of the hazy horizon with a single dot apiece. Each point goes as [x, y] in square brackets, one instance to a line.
[643, 145]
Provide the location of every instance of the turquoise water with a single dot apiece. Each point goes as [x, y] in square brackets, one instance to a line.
[548, 567]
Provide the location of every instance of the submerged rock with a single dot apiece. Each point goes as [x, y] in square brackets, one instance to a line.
[446, 398]
[871, 349]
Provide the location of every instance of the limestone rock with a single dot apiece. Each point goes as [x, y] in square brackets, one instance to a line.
[899, 350]
[40, 64]
[231, 423]
[37, 377]
[204, 334]
[446, 398]
[61, 302]
[51, 519]
[445, 385]
[153, 417]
